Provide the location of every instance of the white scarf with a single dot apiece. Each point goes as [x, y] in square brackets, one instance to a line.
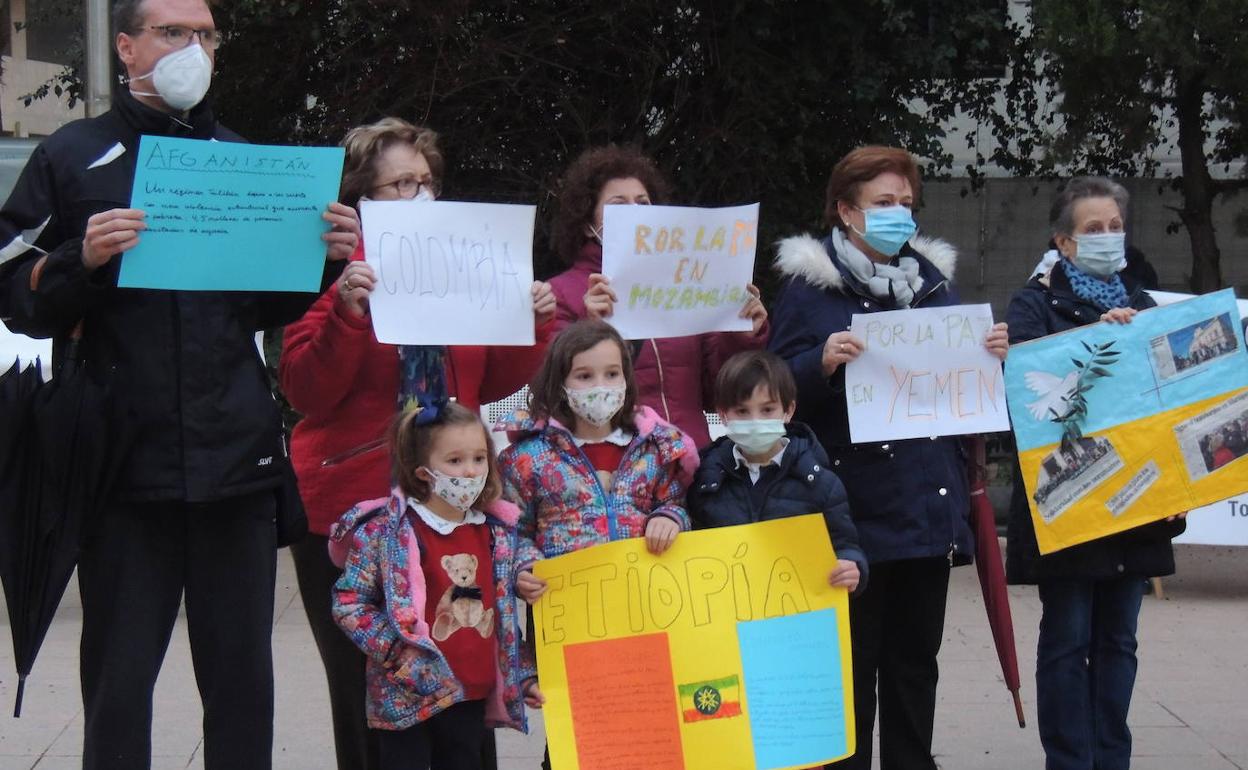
[893, 285]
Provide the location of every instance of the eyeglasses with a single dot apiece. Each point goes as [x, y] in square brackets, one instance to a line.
[407, 187]
[180, 37]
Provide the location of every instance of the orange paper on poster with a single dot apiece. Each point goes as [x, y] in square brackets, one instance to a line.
[624, 713]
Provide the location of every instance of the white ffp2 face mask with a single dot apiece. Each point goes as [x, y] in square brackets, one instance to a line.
[181, 78]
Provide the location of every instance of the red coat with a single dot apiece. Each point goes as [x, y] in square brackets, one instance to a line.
[346, 384]
[675, 375]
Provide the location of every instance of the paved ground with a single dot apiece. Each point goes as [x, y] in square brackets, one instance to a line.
[1190, 710]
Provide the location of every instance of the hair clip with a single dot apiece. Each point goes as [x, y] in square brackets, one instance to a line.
[426, 408]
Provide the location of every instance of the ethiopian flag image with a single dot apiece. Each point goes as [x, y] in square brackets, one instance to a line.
[712, 699]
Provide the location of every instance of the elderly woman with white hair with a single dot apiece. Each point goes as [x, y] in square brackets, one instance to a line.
[1090, 593]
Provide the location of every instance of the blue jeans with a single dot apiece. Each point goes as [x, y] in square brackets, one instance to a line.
[1085, 671]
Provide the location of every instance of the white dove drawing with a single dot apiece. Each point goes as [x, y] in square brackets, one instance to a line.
[1053, 391]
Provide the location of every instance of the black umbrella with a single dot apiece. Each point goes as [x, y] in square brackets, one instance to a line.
[58, 466]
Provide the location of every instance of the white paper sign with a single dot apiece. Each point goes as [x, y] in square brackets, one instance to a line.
[924, 373]
[1170, 297]
[678, 271]
[450, 273]
[26, 350]
[1222, 523]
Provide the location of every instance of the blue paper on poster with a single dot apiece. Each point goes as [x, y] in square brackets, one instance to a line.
[1165, 358]
[794, 688]
[227, 216]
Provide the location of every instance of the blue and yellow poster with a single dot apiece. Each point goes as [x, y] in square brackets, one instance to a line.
[1121, 425]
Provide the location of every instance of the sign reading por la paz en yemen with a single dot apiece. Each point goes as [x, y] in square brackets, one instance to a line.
[925, 372]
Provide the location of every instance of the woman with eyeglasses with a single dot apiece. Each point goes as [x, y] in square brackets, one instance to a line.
[348, 386]
[909, 499]
[675, 375]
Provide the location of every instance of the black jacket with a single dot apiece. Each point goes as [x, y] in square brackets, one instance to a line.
[722, 494]
[909, 498]
[1047, 305]
[184, 363]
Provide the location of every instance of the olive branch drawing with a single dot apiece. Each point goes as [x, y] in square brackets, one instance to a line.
[1101, 357]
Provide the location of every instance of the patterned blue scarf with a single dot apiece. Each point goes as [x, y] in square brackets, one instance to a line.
[1106, 294]
[422, 372]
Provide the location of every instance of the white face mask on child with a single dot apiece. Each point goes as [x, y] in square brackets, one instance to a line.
[755, 436]
[598, 405]
[459, 492]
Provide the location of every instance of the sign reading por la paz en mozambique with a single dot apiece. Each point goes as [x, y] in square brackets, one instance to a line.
[678, 270]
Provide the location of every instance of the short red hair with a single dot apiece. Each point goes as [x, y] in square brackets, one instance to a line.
[861, 166]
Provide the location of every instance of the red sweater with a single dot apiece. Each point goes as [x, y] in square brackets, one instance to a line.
[459, 601]
[346, 385]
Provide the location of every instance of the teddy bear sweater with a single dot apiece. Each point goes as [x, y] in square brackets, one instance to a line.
[460, 591]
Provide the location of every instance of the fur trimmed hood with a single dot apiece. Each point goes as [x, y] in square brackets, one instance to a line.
[804, 256]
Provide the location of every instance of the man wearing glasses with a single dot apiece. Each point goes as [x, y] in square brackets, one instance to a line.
[193, 510]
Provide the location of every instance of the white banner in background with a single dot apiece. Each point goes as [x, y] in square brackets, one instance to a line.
[24, 349]
[1222, 523]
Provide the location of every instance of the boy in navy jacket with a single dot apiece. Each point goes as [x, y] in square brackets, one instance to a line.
[768, 467]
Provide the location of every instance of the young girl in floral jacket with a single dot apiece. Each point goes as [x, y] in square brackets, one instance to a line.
[587, 465]
[427, 595]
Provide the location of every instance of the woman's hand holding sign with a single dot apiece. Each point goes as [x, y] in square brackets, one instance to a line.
[840, 348]
[354, 285]
[600, 298]
[344, 234]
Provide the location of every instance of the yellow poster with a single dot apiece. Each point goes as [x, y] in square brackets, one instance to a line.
[729, 651]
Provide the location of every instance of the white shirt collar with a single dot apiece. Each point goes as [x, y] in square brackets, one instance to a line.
[619, 437]
[756, 469]
[440, 525]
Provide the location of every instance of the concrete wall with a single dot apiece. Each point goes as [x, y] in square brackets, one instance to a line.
[43, 116]
[1002, 231]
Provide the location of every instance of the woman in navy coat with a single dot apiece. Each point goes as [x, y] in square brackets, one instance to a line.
[1090, 593]
[909, 499]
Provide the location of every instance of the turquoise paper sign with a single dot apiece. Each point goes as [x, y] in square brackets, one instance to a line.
[793, 688]
[225, 216]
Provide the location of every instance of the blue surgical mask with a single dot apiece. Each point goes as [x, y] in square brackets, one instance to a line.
[1101, 254]
[755, 436]
[888, 228]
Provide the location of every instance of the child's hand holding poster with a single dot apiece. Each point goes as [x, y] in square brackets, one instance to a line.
[925, 372]
[729, 650]
[678, 271]
[1121, 425]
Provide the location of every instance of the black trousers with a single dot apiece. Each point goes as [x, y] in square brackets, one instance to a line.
[354, 744]
[133, 574]
[896, 627]
[450, 740]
